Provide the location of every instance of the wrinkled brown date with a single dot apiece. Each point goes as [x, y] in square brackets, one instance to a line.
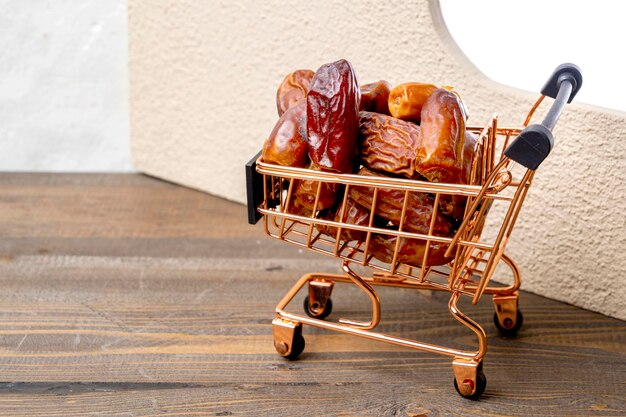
[353, 214]
[388, 144]
[406, 100]
[375, 97]
[293, 89]
[287, 144]
[389, 204]
[410, 251]
[333, 117]
[440, 156]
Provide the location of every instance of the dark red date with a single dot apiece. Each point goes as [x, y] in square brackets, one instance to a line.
[375, 97]
[333, 117]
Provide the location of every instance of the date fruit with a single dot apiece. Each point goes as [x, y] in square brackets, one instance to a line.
[333, 117]
[440, 156]
[287, 144]
[389, 203]
[375, 97]
[410, 252]
[406, 100]
[354, 214]
[295, 207]
[305, 191]
[388, 144]
[454, 205]
[293, 89]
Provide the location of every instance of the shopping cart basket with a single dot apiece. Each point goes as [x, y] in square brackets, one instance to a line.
[501, 174]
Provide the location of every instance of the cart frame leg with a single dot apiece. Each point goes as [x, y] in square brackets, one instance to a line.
[356, 328]
[506, 301]
[319, 293]
[469, 379]
[506, 307]
[468, 322]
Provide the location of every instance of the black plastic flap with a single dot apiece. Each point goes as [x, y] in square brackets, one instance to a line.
[254, 189]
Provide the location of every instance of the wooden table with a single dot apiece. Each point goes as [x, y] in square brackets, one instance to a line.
[126, 296]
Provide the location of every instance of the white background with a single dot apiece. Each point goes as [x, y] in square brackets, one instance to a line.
[63, 69]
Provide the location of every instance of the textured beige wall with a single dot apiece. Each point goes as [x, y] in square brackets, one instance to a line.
[203, 83]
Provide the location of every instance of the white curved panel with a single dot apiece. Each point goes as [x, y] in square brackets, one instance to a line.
[496, 35]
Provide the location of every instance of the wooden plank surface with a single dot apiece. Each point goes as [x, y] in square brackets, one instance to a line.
[127, 296]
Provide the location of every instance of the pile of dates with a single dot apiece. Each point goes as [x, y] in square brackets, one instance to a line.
[328, 122]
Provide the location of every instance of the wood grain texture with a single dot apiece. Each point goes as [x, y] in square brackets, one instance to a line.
[127, 296]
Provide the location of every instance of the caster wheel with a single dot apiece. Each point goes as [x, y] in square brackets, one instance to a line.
[512, 329]
[288, 339]
[481, 384]
[318, 314]
[297, 348]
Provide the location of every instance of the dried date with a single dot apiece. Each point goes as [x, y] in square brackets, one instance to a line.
[305, 192]
[410, 251]
[353, 214]
[388, 144]
[333, 117]
[406, 100]
[389, 203]
[440, 156]
[375, 97]
[293, 89]
[454, 205]
[287, 144]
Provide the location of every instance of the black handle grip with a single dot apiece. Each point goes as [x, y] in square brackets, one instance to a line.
[563, 72]
[534, 143]
[562, 86]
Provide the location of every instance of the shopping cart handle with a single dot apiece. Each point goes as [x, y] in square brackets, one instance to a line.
[534, 143]
[254, 189]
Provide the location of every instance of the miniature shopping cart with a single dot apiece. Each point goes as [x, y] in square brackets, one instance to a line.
[502, 172]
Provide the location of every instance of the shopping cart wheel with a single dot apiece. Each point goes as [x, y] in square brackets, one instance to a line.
[297, 348]
[318, 313]
[481, 384]
[509, 327]
[288, 339]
